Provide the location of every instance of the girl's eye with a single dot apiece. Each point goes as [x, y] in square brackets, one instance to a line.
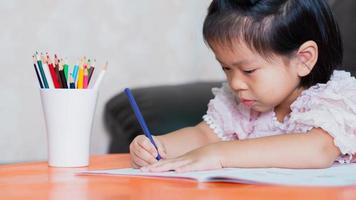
[225, 69]
[249, 71]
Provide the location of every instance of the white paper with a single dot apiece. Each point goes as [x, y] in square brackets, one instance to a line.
[337, 175]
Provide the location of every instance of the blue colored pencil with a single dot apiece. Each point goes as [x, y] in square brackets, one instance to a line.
[140, 119]
[75, 73]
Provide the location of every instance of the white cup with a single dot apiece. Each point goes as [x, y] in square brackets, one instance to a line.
[69, 117]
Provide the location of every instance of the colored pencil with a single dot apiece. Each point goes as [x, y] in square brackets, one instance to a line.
[66, 69]
[100, 77]
[140, 119]
[38, 76]
[80, 77]
[85, 64]
[71, 82]
[61, 74]
[56, 69]
[52, 71]
[75, 73]
[91, 71]
[39, 64]
[47, 71]
[85, 80]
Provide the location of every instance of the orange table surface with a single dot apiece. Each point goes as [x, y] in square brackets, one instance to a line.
[35, 180]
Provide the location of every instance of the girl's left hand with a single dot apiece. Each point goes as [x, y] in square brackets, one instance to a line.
[204, 158]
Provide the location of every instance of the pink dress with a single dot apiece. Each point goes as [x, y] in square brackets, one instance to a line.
[330, 106]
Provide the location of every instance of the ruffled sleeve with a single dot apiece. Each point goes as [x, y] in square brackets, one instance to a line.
[225, 116]
[332, 107]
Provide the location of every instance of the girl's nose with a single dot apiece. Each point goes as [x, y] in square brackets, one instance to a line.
[237, 83]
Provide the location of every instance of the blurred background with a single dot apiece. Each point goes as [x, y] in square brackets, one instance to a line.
[146, 43]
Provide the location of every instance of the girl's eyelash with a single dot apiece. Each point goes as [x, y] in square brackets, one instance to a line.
[225, 68]
[249, 71]
[245, 71]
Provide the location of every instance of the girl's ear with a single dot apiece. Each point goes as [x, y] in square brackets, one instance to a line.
[307, 57]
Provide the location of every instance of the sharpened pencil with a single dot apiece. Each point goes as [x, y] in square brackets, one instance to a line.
[36, 70]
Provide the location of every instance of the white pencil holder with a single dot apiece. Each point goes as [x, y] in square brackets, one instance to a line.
[69, 117]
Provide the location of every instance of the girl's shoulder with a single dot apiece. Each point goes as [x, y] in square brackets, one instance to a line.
[338, 91]
[332, 107]
[341, 82]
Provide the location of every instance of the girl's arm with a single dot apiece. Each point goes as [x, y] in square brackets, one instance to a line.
[171, 145]
[311, 150]
[184, 140]
[300, 150]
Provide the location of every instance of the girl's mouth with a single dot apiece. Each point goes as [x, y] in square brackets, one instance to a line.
[247, 103]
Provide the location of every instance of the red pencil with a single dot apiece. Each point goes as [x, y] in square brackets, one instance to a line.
[52, 71]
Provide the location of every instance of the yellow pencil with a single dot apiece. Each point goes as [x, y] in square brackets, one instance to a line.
[80, 77]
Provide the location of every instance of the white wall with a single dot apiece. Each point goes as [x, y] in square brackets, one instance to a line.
[147, 42]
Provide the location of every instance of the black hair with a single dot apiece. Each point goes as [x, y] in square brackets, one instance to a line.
[279, 27]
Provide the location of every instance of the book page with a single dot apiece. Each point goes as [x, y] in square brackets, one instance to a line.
[200, 176]
[337, 175]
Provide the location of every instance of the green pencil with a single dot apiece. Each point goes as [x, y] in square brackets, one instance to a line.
[39, 62]
[65, 69]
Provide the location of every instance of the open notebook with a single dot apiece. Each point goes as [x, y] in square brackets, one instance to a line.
[338, 175]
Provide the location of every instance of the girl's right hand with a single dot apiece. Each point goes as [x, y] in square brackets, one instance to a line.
[143, 152]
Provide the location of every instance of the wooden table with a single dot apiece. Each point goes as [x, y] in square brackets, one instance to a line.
[36, 180]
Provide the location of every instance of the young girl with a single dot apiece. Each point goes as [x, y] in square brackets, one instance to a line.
[284, 104]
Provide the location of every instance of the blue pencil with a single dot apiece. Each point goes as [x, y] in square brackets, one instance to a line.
[75, 73]
[140, 119]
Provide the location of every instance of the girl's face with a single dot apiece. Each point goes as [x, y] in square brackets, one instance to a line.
[259, 83]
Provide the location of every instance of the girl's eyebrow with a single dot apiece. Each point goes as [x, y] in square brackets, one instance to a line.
[235, 64]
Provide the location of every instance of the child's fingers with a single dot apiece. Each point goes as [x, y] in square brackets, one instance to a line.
[133, 159]
[143, 153]
[148, 146]
[165, 165]
[161, 149]
[138, 162]
[133, 165]
[137, 151]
